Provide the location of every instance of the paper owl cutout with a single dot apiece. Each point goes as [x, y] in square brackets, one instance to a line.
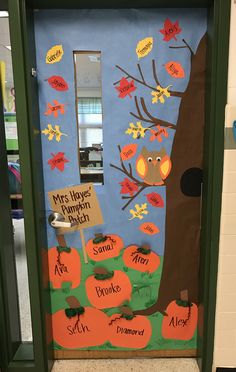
[153, 166]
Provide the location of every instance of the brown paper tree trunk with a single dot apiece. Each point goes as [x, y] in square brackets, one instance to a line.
[182, 233]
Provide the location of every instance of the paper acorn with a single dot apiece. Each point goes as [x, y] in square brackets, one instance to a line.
[77, 326]
[106, 289]
[181, 320]
[64, 266]
[141, 258]
[103, 247]
[128, 330]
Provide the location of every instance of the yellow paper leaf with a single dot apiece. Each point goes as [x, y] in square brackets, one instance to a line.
[137, 131]
[53, 132]
[139, 211]
[161, 94]
[54, 54]
[144, 47]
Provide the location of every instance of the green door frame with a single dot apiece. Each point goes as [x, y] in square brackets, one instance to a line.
[22, 40]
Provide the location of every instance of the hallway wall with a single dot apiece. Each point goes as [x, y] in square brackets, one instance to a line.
[225, 327]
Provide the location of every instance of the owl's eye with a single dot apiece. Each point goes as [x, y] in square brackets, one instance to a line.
[149, 159]
[158, 158]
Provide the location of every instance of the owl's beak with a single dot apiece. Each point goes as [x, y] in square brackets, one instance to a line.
[154, 162]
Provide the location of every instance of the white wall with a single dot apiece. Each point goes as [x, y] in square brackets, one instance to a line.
[225, 327]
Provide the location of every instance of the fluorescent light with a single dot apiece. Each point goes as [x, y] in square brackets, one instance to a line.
[3, 14]
[8, 47]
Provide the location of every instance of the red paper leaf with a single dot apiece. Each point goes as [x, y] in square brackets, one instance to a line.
[54, 109]
[128, 187]
[128, 151]
[58, 161]
[175, 69]
[155, 199]
[58, 83]
[125, 88]
[170, 30]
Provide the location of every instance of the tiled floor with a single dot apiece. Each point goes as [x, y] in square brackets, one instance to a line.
[127, 365]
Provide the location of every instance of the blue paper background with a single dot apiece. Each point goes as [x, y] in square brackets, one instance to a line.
[115, 33]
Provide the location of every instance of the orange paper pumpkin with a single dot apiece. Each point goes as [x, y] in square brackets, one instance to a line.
[64, 266]
[181, 320]
[141, 259]
[80, 327]
[108, 289]
[103, 247]
[133, 333]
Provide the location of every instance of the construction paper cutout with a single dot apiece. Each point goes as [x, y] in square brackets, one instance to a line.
[54, 109]
[128, 187]
[64, 266]
[58, 83]
[144, 47]
[132, 333]
[54, 54]
[149, 228]
[78, 204]
[140, 210]
[82, 330]
[155, 200]
[170, 30]
[141, 259]
[51, 133]
[104, 247]
[128, 151]
[125, 88]
[161, 94]
[137, 131]
[191, 182]
[175, 69]
[158, 133]
[153, 166]
[181, 320]
[111, 292]
[58, 161]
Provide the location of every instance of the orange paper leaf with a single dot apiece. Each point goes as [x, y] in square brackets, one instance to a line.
[128, 151]
[175, 69]
[149, 228]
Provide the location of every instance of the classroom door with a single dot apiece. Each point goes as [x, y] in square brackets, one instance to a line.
[121, 99]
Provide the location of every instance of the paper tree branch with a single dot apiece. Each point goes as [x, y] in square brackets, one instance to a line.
[143, 81]
[183, 46]
[150, 118]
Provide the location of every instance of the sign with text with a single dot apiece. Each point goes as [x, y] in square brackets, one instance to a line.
[77, 204]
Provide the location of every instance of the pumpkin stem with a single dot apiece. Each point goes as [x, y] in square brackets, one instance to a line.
[127, 312]
[101, 273]
[144, 249]
[75, 308]
[99, 238]
[73, 302]
[61, 249]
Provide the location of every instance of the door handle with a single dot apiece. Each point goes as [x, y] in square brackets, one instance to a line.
[57, 221]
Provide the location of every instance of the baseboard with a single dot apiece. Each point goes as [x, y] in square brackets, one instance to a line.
[107, 354]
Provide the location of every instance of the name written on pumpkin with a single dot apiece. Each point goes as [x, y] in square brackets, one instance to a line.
[178, 322]
[104, 248]
[139, 259]
[77, 328]
[112, 288]
[129, 331]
